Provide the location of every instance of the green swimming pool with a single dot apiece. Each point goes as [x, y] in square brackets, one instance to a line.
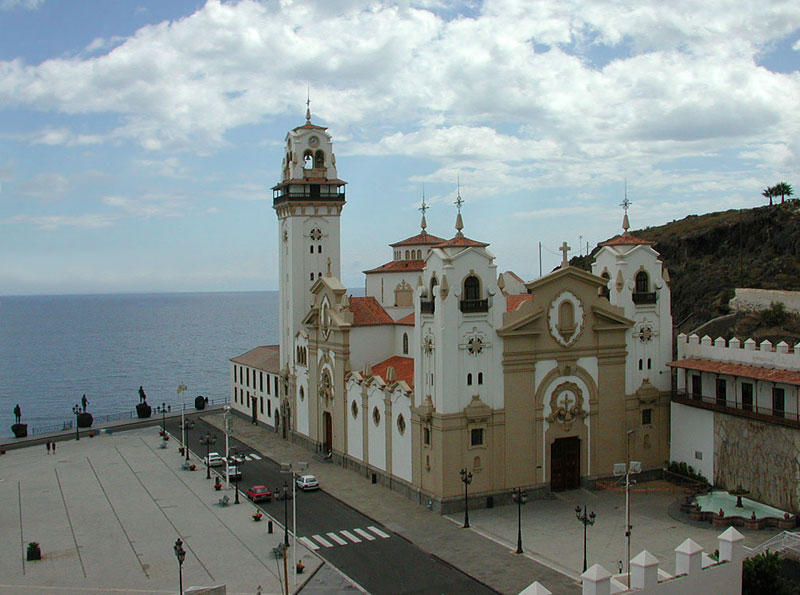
[720, 499]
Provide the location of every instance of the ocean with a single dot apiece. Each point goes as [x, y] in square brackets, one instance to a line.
[55, 349]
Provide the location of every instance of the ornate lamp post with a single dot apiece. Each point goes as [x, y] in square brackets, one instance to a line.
[188, 425]
[208, 441]
[285, 514]
[163, 419]
[238, 478]
[520, 498]
[76, 409]
[180, 554]
[586, 520]
[466, 477]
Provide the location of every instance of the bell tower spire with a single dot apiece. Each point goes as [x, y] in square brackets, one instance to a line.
[423, 224]
[308, 105]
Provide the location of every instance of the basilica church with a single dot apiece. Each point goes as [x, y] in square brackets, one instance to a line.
[449, 364]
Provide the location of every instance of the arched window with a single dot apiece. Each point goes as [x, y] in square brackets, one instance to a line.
[469, 379]
[407, 258]
[434, 283]
[302, 393]
[308, 160]
[642, 282]
[405, 343]
[566, 317]
[480, 377]
[319, 159]
[472, 288]
[319, 249]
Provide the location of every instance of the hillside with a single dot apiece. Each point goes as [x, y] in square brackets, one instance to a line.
[709, 255]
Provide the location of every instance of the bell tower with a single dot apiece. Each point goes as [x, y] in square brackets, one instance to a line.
[308, 201]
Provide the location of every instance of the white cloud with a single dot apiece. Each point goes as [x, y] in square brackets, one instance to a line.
[22, 4]
[51, 222]
[44, 185]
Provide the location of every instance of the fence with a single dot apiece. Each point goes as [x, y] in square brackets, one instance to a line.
[63, 426]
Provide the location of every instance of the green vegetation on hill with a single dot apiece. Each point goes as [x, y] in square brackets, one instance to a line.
[709, 255]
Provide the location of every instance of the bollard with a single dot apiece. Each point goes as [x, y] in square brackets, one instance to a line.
[269, 527]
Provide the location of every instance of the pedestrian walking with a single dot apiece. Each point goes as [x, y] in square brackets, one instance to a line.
[54, 448]
[48, 447]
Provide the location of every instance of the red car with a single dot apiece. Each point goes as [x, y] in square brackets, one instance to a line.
[259, 493]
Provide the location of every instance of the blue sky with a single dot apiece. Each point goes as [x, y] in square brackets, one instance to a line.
[139, 140]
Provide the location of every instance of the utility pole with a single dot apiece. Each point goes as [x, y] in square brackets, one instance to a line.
[540, 259]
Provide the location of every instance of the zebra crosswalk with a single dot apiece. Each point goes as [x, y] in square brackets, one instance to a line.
[343, 537]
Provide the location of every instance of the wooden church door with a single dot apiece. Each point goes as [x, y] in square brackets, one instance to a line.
[565, 464]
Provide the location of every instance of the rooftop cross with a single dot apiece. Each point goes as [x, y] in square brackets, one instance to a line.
[625, 204]
[459, 221]
[424, 207]
[564, 249]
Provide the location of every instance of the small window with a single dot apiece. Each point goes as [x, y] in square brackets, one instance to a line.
[261, 402]
[469, 379]
[354, 409]
[401, 424]
[269, 408]
[722, 390]
[640, 364]
[649, 364]
[407, 258]
[697, 387]
[426, 436]
[476, 463]
[319, 249]
[376, 416]
[248, 400]
[647, 417]
[642, 282]
[698, 455]
[480, 377]
[311, 249]
[747, 396]
[405, 343]
[476, 437]
[248, 377]
[261, 381]
[319, 275]
[311, 276]
[778, 401]
[267, 383]
[302, 393]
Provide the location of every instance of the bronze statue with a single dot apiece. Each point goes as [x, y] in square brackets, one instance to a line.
[142, 396]
[17, 413]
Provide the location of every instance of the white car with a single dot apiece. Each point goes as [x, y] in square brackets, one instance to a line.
[214, 460]
[234, 473]
[307, 482]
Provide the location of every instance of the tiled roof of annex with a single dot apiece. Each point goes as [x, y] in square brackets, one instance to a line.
[398, 266]
[406, 320]
[513, 301]
[733, 369]
[625, 239]
[421, 239]
[265, 357]
[368, 312]
[403, 368]
[461, 241]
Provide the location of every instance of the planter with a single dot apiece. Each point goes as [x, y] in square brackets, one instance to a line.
[20, 430]
[34, 551]
[257, 516]
[144, 410]
[200, 403]
[300, 568]
[85, 420]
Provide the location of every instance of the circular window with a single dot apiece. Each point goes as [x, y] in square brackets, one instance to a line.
[401, 424]
[376, 416]
[354, 409]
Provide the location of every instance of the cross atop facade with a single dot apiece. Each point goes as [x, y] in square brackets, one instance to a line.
[424, 207]
[458, 202]
[564, 249]
[308, 105]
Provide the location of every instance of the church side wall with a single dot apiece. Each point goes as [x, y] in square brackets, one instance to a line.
[401, 441]
[381, 286]
[371, 345]
[376, 429]
[355, 434]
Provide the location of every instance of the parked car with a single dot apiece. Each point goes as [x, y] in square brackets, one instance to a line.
[259, 494]
[214, 460]
[234, 473]
[307, 482]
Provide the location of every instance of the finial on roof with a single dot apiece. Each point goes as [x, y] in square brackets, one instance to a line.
[625, 204]
[423, 224]
[458, 202]
[564, 250]
[308, 104]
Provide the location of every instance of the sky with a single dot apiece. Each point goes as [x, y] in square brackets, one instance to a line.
[139, 140]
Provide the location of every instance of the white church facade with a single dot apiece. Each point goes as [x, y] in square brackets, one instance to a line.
[447, 364]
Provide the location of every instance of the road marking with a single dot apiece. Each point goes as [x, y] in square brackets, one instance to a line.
[336, 538]
[247, 458]
[323, 541]
[255, 456]
[350, 536]
[308, 543]
[378, 532]
[364, 534]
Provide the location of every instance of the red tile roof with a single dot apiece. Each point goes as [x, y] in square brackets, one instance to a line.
[421, 239]
[513, 301]
[398, 266]
[368, 312]
[406, 320]
[732, 369]
[625, 239]
[266, 357]
[461, 242]
[403, 368]
[310, 125]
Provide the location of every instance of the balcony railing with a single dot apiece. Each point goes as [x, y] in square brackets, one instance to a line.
[767, 414]
[648, 297]
[426, 307]
[468, 306]
[307, 194]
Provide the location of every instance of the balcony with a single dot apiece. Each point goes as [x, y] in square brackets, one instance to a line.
[307, 193]
[472, 306]
[752, 411]
[426, 307]
[648, 297]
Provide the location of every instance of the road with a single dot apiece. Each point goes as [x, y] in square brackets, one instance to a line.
[372, 555]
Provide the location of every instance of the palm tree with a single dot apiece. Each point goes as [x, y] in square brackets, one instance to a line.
[783, 189]
[768, 193]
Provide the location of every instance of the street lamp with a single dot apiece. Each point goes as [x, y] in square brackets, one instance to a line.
[163, 419]
[208, 441]
[285, 514]
[77, 411]
[238, 477]
[188, 425]
[466, 477]
[520, 498]
[586, 520]
[180, 554]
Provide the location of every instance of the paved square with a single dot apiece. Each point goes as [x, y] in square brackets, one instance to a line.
[107, 511]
